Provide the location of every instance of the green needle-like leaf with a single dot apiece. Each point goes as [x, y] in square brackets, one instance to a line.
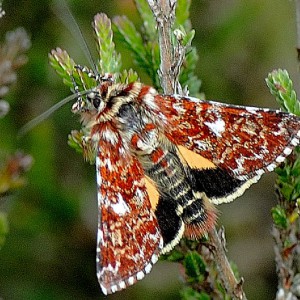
[127, 32]
[110, 61]
[77, 141]
[194, 265]
[63, 64]
[279, 217]
[281, 87]
[128, 76]
[183, 14]
[187, 75]
[66, 68]
[149, 23]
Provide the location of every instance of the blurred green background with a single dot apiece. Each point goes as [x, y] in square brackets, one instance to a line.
[50, 249]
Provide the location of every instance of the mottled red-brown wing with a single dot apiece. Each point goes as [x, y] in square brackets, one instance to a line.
[245, 141]
[129, 240]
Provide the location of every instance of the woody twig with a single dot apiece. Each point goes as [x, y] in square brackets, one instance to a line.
[164, 13]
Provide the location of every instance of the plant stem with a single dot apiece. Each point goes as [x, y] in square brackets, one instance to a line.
[287, 246]
[226, 275]
[284, 262]
[287, 250]
[164, 12]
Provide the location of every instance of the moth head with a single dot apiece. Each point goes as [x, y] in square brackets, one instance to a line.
[104, 101]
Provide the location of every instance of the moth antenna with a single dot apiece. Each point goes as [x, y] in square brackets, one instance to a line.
[63, 12]
[76, 88]
[89, 72]
[39, 119]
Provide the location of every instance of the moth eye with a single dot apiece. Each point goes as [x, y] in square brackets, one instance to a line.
[94, 99]
[96, 102]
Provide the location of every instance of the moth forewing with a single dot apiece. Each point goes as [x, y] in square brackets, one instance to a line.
[129, 241]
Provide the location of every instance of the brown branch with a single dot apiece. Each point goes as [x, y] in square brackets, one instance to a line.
[287, 250]
[164, 13]
[286, 238]
[284, 262]
[226, 275]
[171, 60]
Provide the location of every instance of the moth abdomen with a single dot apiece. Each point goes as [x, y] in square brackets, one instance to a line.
[181, 210]
[199, 216]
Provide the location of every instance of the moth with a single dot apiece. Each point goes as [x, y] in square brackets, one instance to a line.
[149, 144]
